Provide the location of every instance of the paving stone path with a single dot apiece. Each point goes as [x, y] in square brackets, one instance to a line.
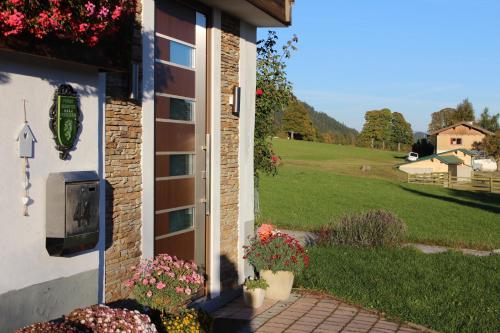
[307, 312]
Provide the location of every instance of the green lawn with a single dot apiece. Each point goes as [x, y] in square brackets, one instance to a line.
[448, 292]
[321, 181]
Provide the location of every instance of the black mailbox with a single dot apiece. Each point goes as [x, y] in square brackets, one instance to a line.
[72, 217]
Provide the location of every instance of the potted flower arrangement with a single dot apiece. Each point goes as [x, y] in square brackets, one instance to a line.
[254, 291]
[167, 284]
[277, 257]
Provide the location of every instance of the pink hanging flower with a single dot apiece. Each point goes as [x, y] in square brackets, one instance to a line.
[259, 92]
[187, 291]
[93, 40]
[103, 12]
[116, 12]
[90, 8]
[160, 285]
[149, 293]
[83, 27]
[179, 290]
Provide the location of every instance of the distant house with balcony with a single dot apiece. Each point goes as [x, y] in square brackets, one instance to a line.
[460, 135]
[453, 151]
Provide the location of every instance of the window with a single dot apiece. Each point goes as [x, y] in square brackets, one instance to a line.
[181, 54]
[181, 165]
[456, 141]
[180, 220]
[181, 109]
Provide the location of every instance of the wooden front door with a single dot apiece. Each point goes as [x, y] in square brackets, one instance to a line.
[180, 131]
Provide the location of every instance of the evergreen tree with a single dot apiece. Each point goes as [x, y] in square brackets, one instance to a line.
[401, 132]
[465, 112]
[423, 147]
[325, 124]
[489, 122]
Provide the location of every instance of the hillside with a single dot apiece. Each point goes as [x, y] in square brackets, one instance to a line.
[324, 123]
[299, 116]
[419, 135]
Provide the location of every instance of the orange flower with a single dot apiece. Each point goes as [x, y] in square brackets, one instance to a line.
[265, 231]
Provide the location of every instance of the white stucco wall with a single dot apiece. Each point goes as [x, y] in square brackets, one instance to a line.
[23, 257]
[246, 143]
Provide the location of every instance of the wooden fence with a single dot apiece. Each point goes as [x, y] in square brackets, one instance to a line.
[435, 178]
[476, 182]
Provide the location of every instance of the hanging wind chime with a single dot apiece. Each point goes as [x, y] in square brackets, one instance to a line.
[26, 144]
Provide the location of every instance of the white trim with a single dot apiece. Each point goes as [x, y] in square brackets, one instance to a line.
[102, 185]
[176, 96]
[148, 127]
[163, 211]
[215, 83]
[173, 64]
[157, 34]
[247, 70]
[174, 233]
[175, 121]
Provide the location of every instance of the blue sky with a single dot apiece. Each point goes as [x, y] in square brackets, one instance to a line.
[412, 56]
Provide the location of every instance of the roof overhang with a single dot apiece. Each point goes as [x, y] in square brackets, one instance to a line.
[462, 123]
[260, 13]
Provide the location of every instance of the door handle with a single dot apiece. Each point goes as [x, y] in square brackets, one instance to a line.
[207, 173]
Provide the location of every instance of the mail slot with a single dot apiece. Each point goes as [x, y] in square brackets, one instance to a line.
[72, 217]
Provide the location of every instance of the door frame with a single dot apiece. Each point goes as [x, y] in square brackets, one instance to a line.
[148, 121]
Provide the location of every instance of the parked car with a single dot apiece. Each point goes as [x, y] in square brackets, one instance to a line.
[412, 157]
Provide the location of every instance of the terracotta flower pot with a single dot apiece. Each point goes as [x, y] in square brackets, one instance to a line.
[254, 297]
[280, 284]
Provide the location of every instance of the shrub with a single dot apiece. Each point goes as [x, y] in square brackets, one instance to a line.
[275, 251]
[252, 284]
[192, 320]
[50, 327]
[370, 229]
[165, 283]
[101, 318]
[96, 319]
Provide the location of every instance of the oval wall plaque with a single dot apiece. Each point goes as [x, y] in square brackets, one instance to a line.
[65, 119]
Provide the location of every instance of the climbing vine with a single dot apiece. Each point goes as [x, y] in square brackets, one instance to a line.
[274, 92]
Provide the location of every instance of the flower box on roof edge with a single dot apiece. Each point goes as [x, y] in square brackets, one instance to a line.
[113, 56]
[96, 32]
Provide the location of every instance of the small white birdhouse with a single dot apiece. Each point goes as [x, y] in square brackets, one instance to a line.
[26, 142]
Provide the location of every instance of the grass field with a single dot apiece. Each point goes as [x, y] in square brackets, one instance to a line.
[448, 292]
[321, 181]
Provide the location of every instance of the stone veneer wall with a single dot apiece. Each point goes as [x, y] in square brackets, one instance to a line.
[123, 124]
[123, 193]
[230, 44]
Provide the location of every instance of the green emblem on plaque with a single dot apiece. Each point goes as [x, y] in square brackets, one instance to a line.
[65, 119]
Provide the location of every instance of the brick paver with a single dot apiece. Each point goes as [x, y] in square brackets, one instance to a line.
[311, 313]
